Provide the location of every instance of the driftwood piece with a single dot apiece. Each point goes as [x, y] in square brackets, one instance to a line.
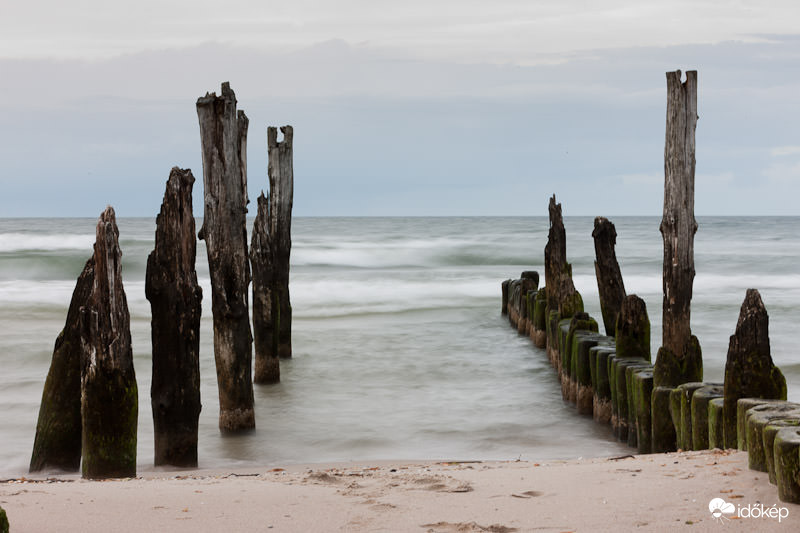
[58, 431]
[749, 370]
[223, 133]
[281, 193]
[109, 396]
[609, 277]
[679, 358]
[267, 367]
[175, 303]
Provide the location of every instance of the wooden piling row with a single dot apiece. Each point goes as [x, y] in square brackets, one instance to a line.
[663, 406]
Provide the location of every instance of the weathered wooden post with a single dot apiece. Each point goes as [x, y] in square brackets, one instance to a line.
[175, 297]
[109, 396]
[265, 305]
[223, 133]
[281, 192]
[609, 277]
[632, 332]
[58, 432]
[679, 359]
[749, 370]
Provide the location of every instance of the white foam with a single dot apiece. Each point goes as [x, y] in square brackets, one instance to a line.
[17, 242]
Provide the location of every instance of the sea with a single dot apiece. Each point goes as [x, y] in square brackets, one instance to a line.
[400, 348]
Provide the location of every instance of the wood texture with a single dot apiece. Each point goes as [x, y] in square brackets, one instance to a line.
[749, 370]
[281, 193]
[682, 360]
[109, 396]
[223, 133]
[265, 306]
[609, 278]
[175, 303]
[57, 443]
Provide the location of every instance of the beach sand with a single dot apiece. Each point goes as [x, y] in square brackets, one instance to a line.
[659, 492]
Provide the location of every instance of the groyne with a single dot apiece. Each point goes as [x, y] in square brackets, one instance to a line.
[662, 405]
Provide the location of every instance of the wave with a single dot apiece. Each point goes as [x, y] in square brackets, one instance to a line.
[20, 242]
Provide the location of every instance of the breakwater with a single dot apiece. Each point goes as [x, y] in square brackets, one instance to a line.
[611, 377]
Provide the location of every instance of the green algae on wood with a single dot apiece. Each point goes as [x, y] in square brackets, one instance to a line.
[672, 370]
[601, 385]
[57, 443]
[716, 434]
[743, 405]
[630, 373]
[787, 464]
[758, 417]
[109, 395]
[700, 415]
[768, 434]
[687, 390]
[663, 436]
[633, 329]
[749, 370]
[643, 393]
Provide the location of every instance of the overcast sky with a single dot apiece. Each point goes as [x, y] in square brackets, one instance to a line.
[453, 107]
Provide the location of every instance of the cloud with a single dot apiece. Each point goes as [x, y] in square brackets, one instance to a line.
[780, 151]
[783, 173]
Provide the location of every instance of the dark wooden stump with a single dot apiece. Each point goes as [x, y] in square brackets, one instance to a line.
[679, 358]
[265, 306]
[609, 277]
[58, 432]
[633, 329]
[175, 303]
[749, 370]
[555, 258]
[223, 133]
[109, 396]
[281, 192]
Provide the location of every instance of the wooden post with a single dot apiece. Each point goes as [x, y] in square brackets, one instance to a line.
[109, 396]
[281, 192]
[223, 133]
[264, 304]
[175, 296]
[58, 432]
[632, 333]
[749, 370]
[606, 267]
[679, 359]
[555, 255]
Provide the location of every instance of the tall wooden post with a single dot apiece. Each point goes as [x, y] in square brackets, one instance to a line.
[223, 133]
[58, 432]
[555, 255]
[679, 359]
[606, 267]
[109, 396]
[265, 305]
[281, 192]
[175, 296]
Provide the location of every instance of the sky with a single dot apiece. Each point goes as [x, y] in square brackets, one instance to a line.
[449, 107]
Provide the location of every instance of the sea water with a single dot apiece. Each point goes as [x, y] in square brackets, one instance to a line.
[400, 350]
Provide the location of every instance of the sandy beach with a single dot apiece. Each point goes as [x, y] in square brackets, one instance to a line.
[659, 492]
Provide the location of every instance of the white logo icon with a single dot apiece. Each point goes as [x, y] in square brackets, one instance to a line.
[719, 508]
